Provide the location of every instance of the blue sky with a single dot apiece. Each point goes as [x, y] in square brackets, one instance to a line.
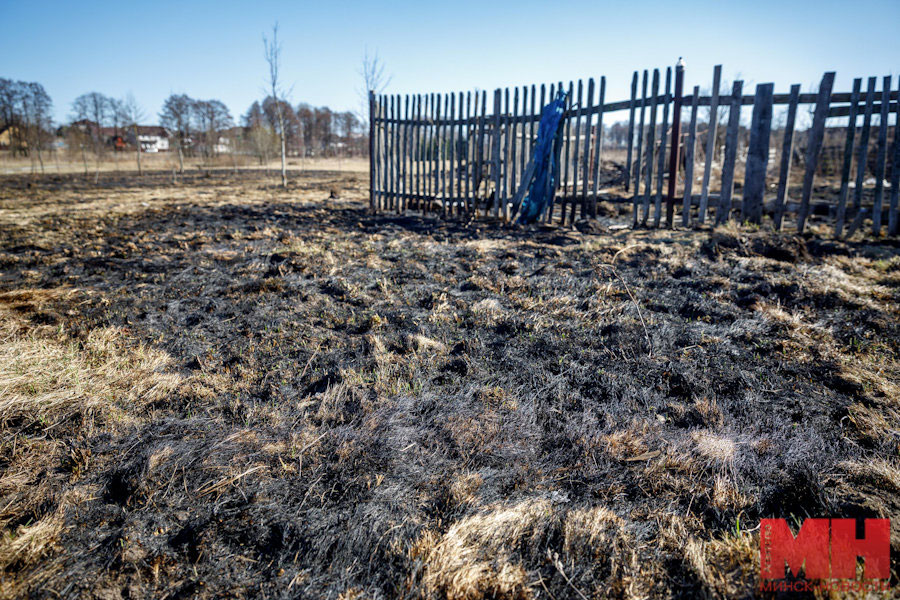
[214, 49]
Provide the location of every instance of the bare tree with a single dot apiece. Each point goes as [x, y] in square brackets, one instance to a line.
[176, 117]
[260, 136]
[374, 80]
[93, 107]
[36, 106]
[133, 115]
[118, 120]
[273, 57]
[212, 118]
[25, 109]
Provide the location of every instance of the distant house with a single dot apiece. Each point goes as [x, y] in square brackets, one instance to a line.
[152, 138]
[115, 137]
[11, 136]
[87, 126]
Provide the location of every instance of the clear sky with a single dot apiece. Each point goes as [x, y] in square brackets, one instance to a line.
[213, 49]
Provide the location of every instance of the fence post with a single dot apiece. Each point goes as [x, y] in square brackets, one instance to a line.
[676, 142]
[690, 153]
[731, 143]
[628, 166]
[787, 151]
[710, 143]
[881, 156]
[816, 134]
[371, 150]
[757, 155]
[495, 152]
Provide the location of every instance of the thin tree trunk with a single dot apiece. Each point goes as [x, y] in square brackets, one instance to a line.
[180, 158]
[84, 160]
[137, 143]
[97, 172]
[283, 165]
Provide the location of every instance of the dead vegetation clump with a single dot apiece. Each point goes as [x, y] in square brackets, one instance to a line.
[223, 389]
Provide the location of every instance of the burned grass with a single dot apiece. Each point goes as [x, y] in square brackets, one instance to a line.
[221, 389]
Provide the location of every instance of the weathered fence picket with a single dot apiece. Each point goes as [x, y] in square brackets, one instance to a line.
[731, 144]
[651, 147]
[710, 142]
[689, 153]
[758, 154]
[628, 167]
[640, 141]
[814, 146]
[787, 151]
[661, 158]
[882, 155]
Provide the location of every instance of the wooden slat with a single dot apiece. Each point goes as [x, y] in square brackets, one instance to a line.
[880, 158]
[442, 152]
[628, 165]
[661, 157]
[376, 184]
[395, 201]
[455, 162]
[385, 163]
[586, 154]
[371, 150]
[597, 165]
[710, 143]
[434, 146]
[404, 156]
[482, 150]
[548, 212]
[816, 135]
[893, 217]
[787, 152]
[495, 151]
[552, 190]
[689, 154]
[731, 144]
[420, 141]
[512, 130]
[863, 156]
[535, 112]
[387, 133]
[848, 160]
[636, 166]
[452, 187]
[467, 170]
[523, 141]
[649, 151]
[566, 156]
[843, 111]
[392, 160]
[398, 203]
[576, 146]
[426, 158]
[758, 154]
[504, 161]
[461, 160]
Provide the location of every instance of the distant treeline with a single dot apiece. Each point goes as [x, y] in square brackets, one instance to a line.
[192, 127]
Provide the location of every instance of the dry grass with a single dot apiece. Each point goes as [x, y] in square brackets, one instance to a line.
[218, 388]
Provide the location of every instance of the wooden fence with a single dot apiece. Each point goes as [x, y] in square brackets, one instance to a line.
[466, 153]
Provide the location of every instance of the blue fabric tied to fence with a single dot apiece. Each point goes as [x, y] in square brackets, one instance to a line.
[543, 174]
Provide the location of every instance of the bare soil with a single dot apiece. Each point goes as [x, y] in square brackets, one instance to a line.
[222, 389]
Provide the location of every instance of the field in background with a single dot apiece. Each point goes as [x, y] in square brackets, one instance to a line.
[166, 161]
[221, 388]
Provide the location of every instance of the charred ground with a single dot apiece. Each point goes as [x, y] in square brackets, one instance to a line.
[224, 389]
